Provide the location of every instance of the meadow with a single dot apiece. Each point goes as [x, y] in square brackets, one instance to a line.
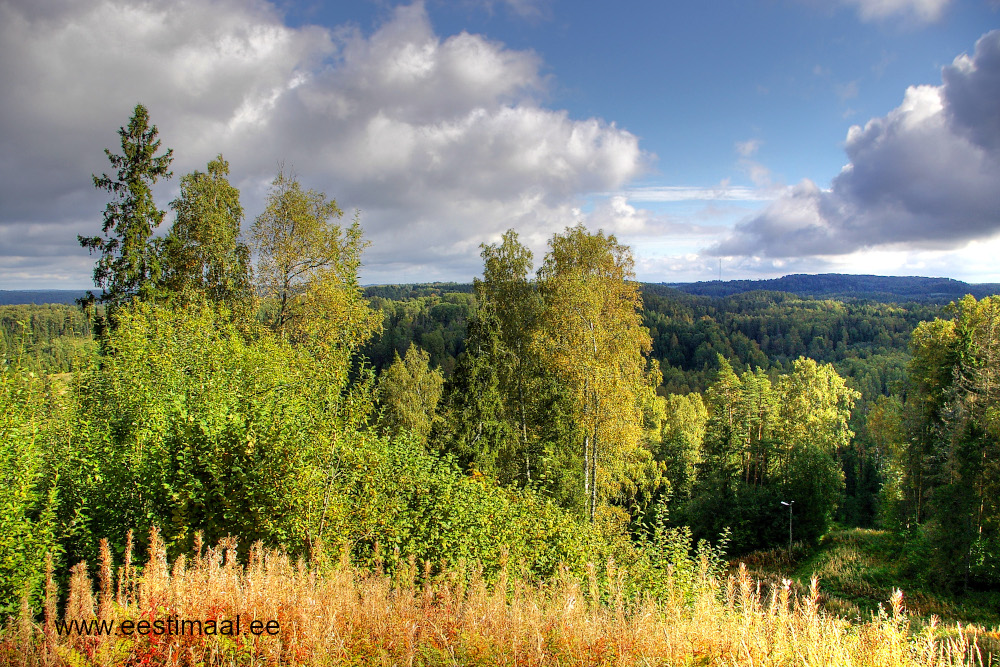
[331, 612]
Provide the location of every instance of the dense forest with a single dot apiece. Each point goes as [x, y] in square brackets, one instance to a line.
[47, 338]
[246, 389]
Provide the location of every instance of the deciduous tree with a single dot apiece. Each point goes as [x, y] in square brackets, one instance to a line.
[409, 391]
[308, 268]
[593, 338]
[204, 252]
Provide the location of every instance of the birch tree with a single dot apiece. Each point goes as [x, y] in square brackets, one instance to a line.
[507, 293]
[591, 335]
[308, 267]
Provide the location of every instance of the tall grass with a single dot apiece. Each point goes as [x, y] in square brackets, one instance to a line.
[332, 613]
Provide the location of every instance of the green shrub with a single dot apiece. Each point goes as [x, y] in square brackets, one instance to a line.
[27, 495]
[671, 564]
[191, 425]
[397, 501]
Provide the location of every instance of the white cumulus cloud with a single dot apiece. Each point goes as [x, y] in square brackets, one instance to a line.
[922, 177]
[442, 142]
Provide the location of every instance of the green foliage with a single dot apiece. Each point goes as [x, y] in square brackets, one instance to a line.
[46, 339]
[510, 312]
[592, 339]
[984, 565]
[672, 564]
[188, 425]
[507, 413]
[395, 501]
[408, 393]
[504, 406]
[434, 318]
[951, 468]
[203, 250]
[681, 437]
[307, 269]
[883, 439]
[859, 568]
[129, 265]
[849, 288]
[765, 444]
[473, 426]
[771, 329]
[27, 494]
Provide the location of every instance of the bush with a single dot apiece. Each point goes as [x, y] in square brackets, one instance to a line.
[27, 495]
[670, 563]
[190, 424]
[396, 501]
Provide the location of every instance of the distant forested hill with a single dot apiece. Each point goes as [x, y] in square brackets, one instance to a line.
[762, 329]
[841, 286]
[867, 340]
[23, 297]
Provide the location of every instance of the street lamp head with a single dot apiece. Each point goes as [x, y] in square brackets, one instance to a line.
[785, 504]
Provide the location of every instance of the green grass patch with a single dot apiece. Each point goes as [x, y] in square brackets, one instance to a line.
[858, 570]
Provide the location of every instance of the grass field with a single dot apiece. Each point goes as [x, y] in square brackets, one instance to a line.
[331, 613]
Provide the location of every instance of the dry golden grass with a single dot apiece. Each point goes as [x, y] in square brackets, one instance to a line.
[332, 613]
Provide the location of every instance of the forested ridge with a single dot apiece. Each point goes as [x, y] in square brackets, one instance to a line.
[843, 286]
[234, 388]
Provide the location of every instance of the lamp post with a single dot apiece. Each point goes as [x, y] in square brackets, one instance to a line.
[789, 504]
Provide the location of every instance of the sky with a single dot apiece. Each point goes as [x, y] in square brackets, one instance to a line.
[744, 139]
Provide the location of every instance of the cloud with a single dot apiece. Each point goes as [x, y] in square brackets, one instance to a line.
[748, 148]
[616, 215]
[442, 142]
[680, 193]
[846, 91]
[924, 11]
[526, 9]
[922, 177]
[758, 173]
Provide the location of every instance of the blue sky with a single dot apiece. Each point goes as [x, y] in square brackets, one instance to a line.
[699, 133]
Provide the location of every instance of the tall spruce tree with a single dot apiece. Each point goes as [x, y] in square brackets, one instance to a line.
[129, 265]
